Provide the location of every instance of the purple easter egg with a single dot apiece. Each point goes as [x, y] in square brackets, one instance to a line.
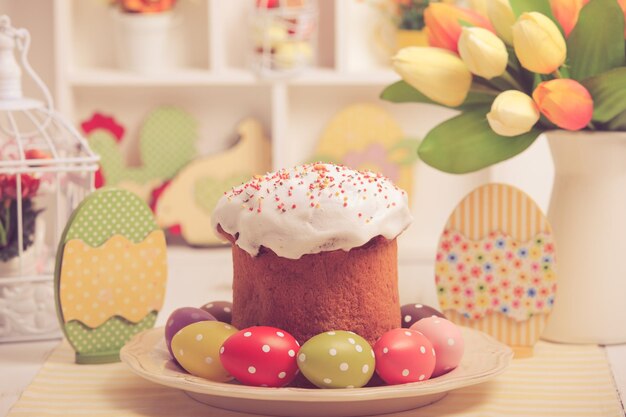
[221, 310]
[412, 313]
[183, 317]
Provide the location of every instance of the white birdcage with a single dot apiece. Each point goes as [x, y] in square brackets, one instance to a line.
[46, 169]
[283, 36]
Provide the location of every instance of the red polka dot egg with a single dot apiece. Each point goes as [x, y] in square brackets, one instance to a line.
[446, 339]
[261, 356]
[404, 355]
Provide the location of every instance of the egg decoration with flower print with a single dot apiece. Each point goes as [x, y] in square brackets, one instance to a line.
[261, 356]
[495, 266]
[197, 346]
[110, 274]
[337, 359]
[403, 356]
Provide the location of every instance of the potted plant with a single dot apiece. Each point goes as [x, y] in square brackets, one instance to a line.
[142, 34]
[537, 66]
[10, 217]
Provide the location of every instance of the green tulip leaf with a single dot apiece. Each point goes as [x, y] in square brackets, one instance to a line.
[609, 94]
[596, 43]
[618, 123]
[466, 143]
[402, 92]
[541, 6]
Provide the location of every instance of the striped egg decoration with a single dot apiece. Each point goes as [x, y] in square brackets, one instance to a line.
[495, 268]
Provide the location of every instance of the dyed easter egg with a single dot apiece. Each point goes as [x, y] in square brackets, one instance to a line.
[111, 274]
[196, 348]
[337, 359]
[221, 310]
[183, 317]
[446, 339]
[261, 356]
[404, 355]
[412, 313]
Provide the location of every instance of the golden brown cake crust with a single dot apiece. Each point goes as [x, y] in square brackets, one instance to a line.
[337, 290]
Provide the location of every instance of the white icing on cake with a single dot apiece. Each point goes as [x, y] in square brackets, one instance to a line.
[312, 208]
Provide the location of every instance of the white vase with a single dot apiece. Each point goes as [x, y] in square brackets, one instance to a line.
[588, 216]
[142, 41]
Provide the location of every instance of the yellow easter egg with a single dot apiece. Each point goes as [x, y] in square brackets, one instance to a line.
[196, 348]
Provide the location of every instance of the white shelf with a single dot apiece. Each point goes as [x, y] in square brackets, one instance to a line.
[104, 77]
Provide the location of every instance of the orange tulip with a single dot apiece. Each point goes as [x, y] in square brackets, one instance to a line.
[566, 13]
[444, 24]
[565, 102]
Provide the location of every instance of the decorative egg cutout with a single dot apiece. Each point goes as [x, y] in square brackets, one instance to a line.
[403, 356]
[496, 266]
[412, 313]
[181, 318]
[221, 310]
[197, 349]
[261, 356]
[446, 340]
[110, 274]
[337, 359]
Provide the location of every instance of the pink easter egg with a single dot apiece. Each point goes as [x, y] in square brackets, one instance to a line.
[404, 355]
[446, 339]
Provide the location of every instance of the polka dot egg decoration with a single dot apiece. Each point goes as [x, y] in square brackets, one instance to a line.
[446, 339]
[196, 347]
[337, 359]
[412, 313]
[181, 318]
[261, 356]
[221, 310]
[404, 355]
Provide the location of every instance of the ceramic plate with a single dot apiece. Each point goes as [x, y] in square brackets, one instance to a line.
[484, 358]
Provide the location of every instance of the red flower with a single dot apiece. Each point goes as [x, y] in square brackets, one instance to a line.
[8, 186]
[517, 263]
[544, 292]
[505, 283]
[464, 247]
[437, 279]
[476, 271]
[534, 266]
[456, 289]
[456, 239]
[460, 267]
[518, 291]
[495, 302]
[464, 279]
[515, 304]
[509, 255]
[489, 278]
[539, 304]
[469, 292]
[548, 248]
[536, 281]
[488, 246]
[439, 257]
[469, 306]
[494, 290]
[446, 245]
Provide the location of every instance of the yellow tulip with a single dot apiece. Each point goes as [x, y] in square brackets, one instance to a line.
[512, 113]
[437, 73]
[538, 43]
[502, 18]
[483, 52]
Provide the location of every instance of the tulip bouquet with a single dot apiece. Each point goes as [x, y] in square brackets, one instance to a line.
[526, 67]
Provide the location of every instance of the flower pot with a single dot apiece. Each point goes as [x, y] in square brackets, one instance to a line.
[588, 216]
[405, 38]
[142, 41]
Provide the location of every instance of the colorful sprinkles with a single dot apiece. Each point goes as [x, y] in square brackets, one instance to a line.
[321, 182]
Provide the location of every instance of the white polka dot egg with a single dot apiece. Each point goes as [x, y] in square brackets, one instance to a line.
[196, 347]
[447, 341]
[337, 359]
[261, 356]
[404, 355]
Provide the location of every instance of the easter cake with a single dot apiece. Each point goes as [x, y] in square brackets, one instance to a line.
[314, 249]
